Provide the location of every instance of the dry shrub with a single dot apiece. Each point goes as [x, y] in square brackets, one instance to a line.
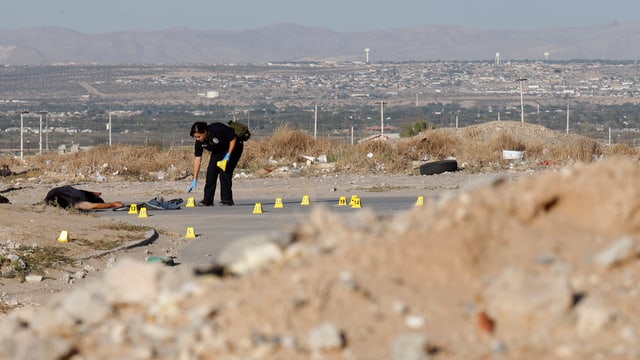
[435, 144]
[286, 146]
[126, 161]
[505, 141]
[329, 147]
[472, 133]
[9, 161]
[481, 146]
[371, 156]
[621, 149]
[477, 147]
[578, 148]
[535, 149]
[289, 143]
[252, 158]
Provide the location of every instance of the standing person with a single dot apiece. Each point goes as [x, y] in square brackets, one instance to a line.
[221, 141]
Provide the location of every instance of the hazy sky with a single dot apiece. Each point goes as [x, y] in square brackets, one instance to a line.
[98, 16]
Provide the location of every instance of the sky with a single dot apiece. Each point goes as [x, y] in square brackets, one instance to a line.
[103, 16]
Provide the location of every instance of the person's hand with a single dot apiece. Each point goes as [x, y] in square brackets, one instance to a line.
[227, 157]
[193, 185]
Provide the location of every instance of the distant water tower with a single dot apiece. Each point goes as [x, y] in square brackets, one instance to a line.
[498, 59]
[546, 55]
[366, 54]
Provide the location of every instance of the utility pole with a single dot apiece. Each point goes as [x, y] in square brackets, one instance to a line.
[22, 133]
[40, 134]
[24, 113]
[351, 134]
[46, 130]
[567, 118]
[109, 127]
[521, 80]
[381, 118]
[315, 120]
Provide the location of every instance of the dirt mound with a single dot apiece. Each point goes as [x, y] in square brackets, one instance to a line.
[544, 267]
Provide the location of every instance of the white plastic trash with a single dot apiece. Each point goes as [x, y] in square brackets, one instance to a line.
[512, 154]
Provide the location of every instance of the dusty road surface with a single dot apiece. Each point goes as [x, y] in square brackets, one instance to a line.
[528, 266]
[28, 222]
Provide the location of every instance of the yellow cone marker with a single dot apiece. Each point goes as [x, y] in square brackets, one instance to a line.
[342, 201]
[305, 200]
[420, 201]
[63, 237]
[191, 202]
[353, 200]
[191, 234]
[133, 209]
[222, 164]
[278, 204]
[143, 212]
[356, 203]
[257, 209]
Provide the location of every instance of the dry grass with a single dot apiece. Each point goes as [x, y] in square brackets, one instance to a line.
[434, 144]
[286, 146]
[371, 156]
[478, 148]
[132, 163]
[33, 260]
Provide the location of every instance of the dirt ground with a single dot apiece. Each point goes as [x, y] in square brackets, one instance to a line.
[27, 221]
[526, 264]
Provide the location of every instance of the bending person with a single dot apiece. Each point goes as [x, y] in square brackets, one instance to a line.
[226, 149]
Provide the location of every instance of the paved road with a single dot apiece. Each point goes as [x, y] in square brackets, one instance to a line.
[217, 226]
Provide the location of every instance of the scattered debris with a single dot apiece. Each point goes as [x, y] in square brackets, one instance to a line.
[5, 171]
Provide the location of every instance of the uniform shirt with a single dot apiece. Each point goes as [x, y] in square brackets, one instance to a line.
[220, 135]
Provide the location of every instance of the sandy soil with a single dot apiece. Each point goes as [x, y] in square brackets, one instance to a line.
[501, 268]
[26, 221]
[527, 265]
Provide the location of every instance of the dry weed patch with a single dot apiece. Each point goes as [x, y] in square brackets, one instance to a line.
[100, 244]
[478, 147]
[123, 226]
[384, 188]
[33, 260]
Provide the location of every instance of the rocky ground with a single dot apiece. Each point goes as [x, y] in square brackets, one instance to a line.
[542, 267]
[27, 221]
[515, 265]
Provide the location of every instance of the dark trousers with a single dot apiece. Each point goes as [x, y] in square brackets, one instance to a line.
[226, 177]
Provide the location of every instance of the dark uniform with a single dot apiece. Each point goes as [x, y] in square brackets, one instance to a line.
[220, 135]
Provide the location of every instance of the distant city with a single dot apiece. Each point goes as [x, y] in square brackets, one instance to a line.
[154, 104]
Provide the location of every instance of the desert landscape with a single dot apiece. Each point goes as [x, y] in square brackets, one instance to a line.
[518, 259]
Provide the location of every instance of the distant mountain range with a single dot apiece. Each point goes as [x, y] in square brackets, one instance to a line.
[295, 43]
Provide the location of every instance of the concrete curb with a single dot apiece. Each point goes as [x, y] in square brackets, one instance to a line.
[149, 237]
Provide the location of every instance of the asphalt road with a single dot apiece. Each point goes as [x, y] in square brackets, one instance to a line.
[216, 226]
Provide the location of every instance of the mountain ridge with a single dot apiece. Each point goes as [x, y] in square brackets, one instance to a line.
[284, 42]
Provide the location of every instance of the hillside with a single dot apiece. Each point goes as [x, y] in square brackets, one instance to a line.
[291, 42]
